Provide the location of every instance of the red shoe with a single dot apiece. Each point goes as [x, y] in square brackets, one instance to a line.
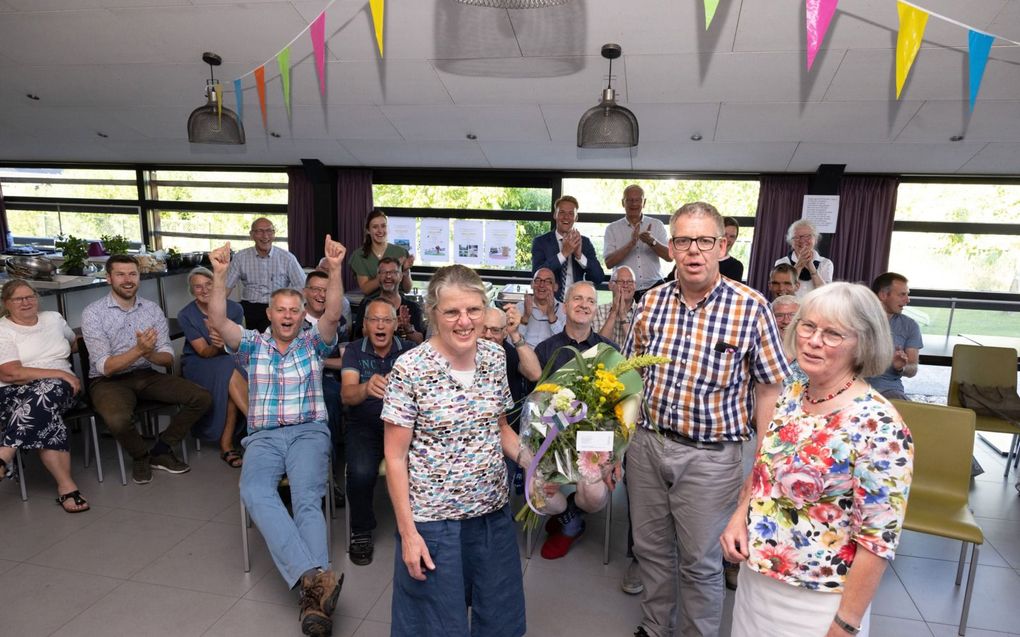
[557, 544]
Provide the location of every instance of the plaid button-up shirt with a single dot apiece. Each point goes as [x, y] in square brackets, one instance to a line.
[261, 276]
[283, 389]
[719, 348]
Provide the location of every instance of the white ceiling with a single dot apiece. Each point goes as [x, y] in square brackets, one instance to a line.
[518, 80]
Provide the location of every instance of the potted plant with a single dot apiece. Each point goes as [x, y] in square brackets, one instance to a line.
[76, 254]
[114, 244]
[173, 259]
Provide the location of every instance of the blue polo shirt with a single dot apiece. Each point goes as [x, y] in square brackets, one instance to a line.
[360, 357]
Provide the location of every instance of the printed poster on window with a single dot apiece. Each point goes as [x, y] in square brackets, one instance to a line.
[467, 241]
[403, 231]
[435, 240]
[500, 243]
[823, 211]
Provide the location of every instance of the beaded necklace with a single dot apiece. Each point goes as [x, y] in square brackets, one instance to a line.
[815, 401]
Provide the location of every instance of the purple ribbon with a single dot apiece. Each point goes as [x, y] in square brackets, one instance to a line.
[557, 423]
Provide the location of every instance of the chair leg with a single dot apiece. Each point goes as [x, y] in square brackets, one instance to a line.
[970, 590]
[1009, 456]
[198, 444]
[959, 566]
[347, 518]
[87, 450]
[529, 536]
[95, 443]
[246, 557]
[609, 529]
[184, 449]
[21, 474]
[120, 460]
[327, 508]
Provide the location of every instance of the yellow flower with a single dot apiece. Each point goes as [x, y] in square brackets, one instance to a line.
[607, 383]
[552, 388]
[637, 362]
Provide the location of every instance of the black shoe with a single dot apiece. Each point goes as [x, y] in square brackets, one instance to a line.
[361, 549]
[640, 632]
[339, 499]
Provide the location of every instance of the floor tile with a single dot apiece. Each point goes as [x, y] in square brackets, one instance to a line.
[1004, 536]
[382, 611]
[997, 500]
[6, 565]
[892, 600]
[119, 544]
[945, 630]
[373, 629]
[36, 525]
[250, 619]
[564, 603]
[39, 600]
[885, 626]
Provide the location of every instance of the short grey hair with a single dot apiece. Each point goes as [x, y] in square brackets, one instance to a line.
[698, 209]
[393, 308]
[497, 311]
[856, 308]
[786, 299]
[576, 284]
[801, 223]
[199, 271]
[453, 276]
[617, 269]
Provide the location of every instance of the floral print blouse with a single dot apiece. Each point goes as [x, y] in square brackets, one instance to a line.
[826, 484]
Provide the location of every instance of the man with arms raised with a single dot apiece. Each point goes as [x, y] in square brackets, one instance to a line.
[288, 431]
[262, 269]
[637, 241]
[568, 254]
[613, 319]
[126, 335]
[541, 315]
[684, 461]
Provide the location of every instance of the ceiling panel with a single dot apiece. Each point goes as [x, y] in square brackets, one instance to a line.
[526, 82]
[995, 159]
[359, 82]
[880, 158]
[815, 121]
[724, 157]
[453, 154]
[488, 123]
[938, 121]
[554, 156]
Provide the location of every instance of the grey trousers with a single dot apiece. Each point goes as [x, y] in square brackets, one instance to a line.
[680, 500]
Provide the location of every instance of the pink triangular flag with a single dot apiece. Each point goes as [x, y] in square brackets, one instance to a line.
[818, 15]
[318, 33]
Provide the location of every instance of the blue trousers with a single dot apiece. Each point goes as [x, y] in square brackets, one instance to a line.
[364, 453]
[302, 453]
[477, 564]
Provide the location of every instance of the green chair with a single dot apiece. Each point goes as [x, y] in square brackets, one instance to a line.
[990, 367]
[943, 446]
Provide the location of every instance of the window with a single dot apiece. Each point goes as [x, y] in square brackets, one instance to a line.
[196, 231]
[69, 183]
[231, 187]
[41, 224]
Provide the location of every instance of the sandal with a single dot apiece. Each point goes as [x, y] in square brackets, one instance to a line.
[79, 501]
[232, 458]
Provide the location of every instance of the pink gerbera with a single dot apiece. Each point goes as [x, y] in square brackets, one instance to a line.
[590, 463]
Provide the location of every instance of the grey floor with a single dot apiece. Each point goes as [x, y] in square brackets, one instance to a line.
[165, 559]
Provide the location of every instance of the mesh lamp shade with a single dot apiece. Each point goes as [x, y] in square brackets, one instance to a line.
[514, 4]
[607, 125]
[207, 125]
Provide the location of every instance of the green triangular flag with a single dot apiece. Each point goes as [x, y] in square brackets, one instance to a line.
[710, 7]
[283, 59]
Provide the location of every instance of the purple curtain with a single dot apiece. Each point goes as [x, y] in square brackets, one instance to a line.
[780, 201]
[353, 202]
[301, 216]
[3, 222]
[860, 247]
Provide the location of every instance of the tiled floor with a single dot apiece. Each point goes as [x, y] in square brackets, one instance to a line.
[165, 559]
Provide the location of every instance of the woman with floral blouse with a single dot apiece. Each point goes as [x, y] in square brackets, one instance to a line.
[822, 511]
[446, 435]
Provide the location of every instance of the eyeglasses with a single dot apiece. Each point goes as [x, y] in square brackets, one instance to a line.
[786, 316]
[473, 313]
[389, 272]
[830, 338]
[316, 290]
[488, 329]
[380, 320]
[543, 281]
[263, 231]
[703, 243]
[17, 300]
[633, 199]
[623, 284]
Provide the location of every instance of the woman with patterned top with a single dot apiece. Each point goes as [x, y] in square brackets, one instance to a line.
[446, 434]
[822, 511]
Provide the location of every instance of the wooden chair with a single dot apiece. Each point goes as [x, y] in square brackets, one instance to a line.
[990, 367]
[943, 446]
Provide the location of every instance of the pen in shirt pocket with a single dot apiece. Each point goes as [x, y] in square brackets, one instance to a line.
[725, 348]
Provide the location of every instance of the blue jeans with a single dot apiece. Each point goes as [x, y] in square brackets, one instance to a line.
[364, 442]
[302, 453]
[477, 564]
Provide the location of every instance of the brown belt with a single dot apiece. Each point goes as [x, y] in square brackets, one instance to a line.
[681, 439]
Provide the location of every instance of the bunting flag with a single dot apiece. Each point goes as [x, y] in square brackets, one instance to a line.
[378, 20]
[979, 45]
[318, 33]
[260, 84]
[818, 15]
[710, 7]
[283, 60]
[240, 99]
[219, 104]
[908, 41]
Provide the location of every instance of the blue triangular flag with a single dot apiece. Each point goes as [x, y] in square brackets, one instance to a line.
[979, 44]
[240, 100]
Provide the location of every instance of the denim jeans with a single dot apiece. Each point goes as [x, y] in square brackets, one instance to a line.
[364, 453]
[302, 453]
[477, 564]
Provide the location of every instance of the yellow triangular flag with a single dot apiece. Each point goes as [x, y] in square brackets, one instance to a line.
[908, 41]
[378, 21]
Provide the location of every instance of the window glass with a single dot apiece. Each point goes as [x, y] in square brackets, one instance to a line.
[972, 203]
[972, 262]
[934, 321]
[36, 226]
[224, 186]
[69, 183]
[189, 231]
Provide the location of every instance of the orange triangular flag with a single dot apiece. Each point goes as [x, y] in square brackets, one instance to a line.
[260, 84]
[908, 41]
[378, 21]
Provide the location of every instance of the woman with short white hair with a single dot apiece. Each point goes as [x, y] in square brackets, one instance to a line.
[813, 270]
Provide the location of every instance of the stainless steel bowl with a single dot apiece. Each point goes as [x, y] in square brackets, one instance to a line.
[33, 268]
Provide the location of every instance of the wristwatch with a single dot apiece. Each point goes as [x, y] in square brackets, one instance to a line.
[839, 621]
[653, 243]
[520, 342]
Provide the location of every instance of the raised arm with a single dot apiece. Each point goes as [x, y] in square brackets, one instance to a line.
[228, 330]
[335, 252]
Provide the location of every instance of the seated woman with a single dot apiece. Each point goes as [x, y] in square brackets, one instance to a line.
[37, 387]
[365, 262]
[813, 270]
[206, 363]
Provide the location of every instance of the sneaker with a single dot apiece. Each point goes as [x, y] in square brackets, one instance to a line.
[361, 548]
[730, 572]
[141, 471]
[640, 632]
[632, 580]
[319, 594]
[168, 462]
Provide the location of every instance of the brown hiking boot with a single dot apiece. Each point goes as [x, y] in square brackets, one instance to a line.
[319, 594]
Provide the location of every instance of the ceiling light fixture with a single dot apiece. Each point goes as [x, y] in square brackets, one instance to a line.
[471, 136]
[956, 138]
[214, 123]
[514, 4]
[696, 137]
[32, 96]
[608, 125]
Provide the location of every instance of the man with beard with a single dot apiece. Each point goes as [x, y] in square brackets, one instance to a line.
[288, 431]
[580, 299]
[410, 326]
[261, 269]
[366, 366]
[127, 335]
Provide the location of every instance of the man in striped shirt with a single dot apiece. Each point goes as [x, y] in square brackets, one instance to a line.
[684, 462]
[288, 431]
[263, 269]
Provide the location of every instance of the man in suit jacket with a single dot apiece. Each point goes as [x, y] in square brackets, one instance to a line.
[569, 255]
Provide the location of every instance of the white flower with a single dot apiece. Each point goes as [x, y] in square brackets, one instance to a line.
[631, 409]
[562, 399]
[591, 352]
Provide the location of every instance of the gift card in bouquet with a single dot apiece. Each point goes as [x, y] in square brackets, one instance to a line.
[595, 441]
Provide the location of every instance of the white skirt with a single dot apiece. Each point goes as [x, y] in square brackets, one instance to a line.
[767, 607]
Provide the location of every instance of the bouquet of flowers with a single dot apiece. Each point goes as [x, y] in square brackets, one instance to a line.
[597, 391]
